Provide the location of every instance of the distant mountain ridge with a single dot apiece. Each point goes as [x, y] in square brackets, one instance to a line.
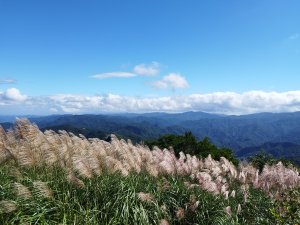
[287, 150]
[238, 132]
[235, 132]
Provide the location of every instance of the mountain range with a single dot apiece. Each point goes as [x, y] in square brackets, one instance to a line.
[245, 134]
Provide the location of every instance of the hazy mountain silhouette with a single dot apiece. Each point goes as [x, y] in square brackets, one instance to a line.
[236, 132]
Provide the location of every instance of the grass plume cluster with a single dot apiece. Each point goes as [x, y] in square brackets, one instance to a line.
[52, 178]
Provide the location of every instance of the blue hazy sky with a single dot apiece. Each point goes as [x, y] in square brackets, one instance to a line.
[53, 47]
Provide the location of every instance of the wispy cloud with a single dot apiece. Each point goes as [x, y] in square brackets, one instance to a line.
[173, 81]
[113, 74]
[294, 36]
[7, 81]
[147, 70]
[151, 69]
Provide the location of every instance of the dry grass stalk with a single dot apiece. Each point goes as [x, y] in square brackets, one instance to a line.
[193, 207]
[7, 206]
[239, 209]
[228, 210]
[180, 213]
[22, 191]
[43, 189]
[164, 222]
[232, 194]
[15, 173]
[145, 197]
[76, 181]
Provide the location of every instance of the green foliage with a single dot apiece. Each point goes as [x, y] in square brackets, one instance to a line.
[287, 210]
[262, 158]
[108, 199]
[113, 199]
[205, 147]
[188, 144]
[279, 150]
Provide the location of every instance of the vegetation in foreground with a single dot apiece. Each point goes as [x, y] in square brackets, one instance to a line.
[59, 178]
[115, 199]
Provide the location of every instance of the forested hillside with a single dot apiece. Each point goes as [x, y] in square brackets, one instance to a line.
[234, 132]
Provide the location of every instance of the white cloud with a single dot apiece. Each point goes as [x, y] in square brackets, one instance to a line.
[173, 80]
[12, 95]
[176, 81]
[54, 110]
[139, 70]
[159, 84]
[12, 101]
[147, 70]
[113, 74]
[7, 81]
[217, 102]
[294, 36]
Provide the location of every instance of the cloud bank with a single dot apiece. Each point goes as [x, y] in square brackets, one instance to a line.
[217, 102]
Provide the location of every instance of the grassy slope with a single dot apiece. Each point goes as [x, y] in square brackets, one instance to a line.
[112, 199]
[115, 199]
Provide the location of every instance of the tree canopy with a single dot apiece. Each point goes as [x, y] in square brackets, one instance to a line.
[188, 144]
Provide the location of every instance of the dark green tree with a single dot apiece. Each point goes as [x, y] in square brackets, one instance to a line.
[262, 158]
[188, 144]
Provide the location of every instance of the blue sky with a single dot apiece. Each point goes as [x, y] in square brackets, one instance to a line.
[64, 56]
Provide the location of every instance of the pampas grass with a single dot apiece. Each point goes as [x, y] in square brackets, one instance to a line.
[22, 191]
[42, 189]
[91, 157]
[84, 162]
[7, 206]
[145, 197]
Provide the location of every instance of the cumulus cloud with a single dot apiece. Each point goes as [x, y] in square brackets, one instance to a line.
[173, 80]
[113, 74]
[12, 95]
[216, 102]
[147, 70]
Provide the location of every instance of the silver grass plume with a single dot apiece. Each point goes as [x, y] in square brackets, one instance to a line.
[30, 147]
[74, 180]
[42, 189]
[81, 165]
[22, 191]
[145, 197]
[164, 222]
[180, 213]
[228, 210]
[7, 206]
[14, 172]
[5, 154]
